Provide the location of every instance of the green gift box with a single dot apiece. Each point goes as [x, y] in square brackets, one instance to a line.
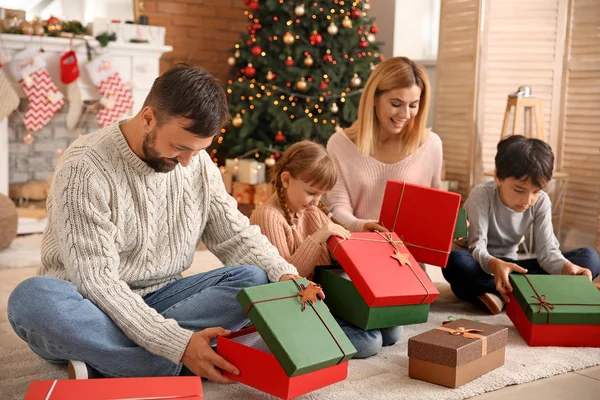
[460, 229]
[302, 337]
[557, 299]
[345, 302]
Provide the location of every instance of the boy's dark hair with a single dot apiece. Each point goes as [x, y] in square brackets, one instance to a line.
[191, 92]
[520, 157]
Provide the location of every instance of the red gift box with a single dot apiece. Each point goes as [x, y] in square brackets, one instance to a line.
[564, 335]
[172, 387]
[261, 370]
[423, 217]
[381, 279]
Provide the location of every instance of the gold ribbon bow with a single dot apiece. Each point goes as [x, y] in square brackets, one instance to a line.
[467, 334]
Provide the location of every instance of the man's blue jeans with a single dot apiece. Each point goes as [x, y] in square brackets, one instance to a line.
[59, 324]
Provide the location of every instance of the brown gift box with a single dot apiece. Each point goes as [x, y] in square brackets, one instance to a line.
[243, 193]
[262, 193]
[451, 355]
[227, 180]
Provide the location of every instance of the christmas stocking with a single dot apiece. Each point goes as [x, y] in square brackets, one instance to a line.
[9, 101]
[116, 98]
[69, 72]
[44, 98]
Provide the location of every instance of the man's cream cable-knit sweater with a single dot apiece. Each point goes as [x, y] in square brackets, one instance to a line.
[119, 230]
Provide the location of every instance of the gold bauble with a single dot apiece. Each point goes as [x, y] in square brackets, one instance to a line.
[26, 28]
[367, 7]
[309, 61]
[300, 10]
[237, 121]
[301, 84]
[332, 29]
[38, 28]
[231, 61]
[270, 76]
[371, 38]
[334, 108]
[237, 54]
[355, 81]
[347, 22]
[270, 161]
[288, 38]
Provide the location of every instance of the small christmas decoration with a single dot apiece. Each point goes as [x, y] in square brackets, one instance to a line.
[301, 84]
[355, 81]
[323, 85]
[371, 38]
[270, 161]
[270, 76]
[289, 62]
[347, 22]
[374, 29]
[332, 29]
[355, 13]
[315, 38]
[309, 61]
[300, 10]
[328, 57]
[334, 108]
[250, 71]
[231, 61]
[279, 138]
[237, 121]
[256, 50]
[288, 38]
[254, 6]
[363, 43]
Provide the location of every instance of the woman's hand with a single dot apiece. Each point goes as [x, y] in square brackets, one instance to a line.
[373, 226]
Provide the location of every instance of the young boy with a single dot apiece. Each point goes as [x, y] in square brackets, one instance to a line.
[500, 213]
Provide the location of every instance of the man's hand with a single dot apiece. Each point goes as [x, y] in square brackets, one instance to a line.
[291, 277]
[373, 226]
[571, 269]
[203, 361]
[501, 269]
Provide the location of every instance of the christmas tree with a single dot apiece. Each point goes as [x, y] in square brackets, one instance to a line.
[296, 74]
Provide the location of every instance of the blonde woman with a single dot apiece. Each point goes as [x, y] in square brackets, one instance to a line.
[388, 141]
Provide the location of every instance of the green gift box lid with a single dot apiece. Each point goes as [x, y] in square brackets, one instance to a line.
[460, 229]
[557, 299]
[302, 337]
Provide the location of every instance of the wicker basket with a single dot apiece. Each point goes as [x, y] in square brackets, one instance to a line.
[8, 222]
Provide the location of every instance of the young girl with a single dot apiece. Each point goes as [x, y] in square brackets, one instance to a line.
[296, 221]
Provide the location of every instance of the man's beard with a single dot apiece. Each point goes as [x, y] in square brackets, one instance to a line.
[153, 159]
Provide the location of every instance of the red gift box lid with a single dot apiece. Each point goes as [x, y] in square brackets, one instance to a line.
[381, 279]
[423, 217]
[155, 388]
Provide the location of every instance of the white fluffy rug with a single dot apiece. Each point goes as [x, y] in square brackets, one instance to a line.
[23, 252]
[384, 376]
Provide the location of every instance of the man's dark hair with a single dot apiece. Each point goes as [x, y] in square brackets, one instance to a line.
[520, 157]
[191, 92]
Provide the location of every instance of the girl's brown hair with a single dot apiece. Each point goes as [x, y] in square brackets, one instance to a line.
[393, 73]
[310, 163]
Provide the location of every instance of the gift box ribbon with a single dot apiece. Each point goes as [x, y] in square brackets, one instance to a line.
[409, 244]
[467, 334]
[401, 258]
[305, 295]
[543, 303]
[193, 395]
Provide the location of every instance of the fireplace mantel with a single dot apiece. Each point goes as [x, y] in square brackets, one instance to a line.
[138, 64]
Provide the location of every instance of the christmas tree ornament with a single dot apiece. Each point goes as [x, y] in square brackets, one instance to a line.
[347, 22]
[334, 108]
[315, 38]
[327, 56]
[247, 2]
[256, 50]
[363, 43]
[355, 13]
[54, 25]
[371, 38]
[372, 67]
[374, 29]
[309, 61]
[237, 121]
[250, 71]
[332, 29]
[288, 38]
[279, 138]
[231, 61]
[44, 98]
[302, 84]
[323, 85]
[257, 27]
[270, 76]
[38, 28]
[289, 62]
[355, 81]
[300, 10]
[367, 7]
[236, 54]
[26, 28]
[69, 73]
[270, 161]
[254, 5]
[9, 101]
[116, 98]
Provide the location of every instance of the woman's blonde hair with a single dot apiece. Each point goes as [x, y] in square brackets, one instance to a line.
[308, 162]
[393, 73]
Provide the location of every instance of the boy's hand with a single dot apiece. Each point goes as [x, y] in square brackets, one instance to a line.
[373, 226]
[571, 269]
[501, 270]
